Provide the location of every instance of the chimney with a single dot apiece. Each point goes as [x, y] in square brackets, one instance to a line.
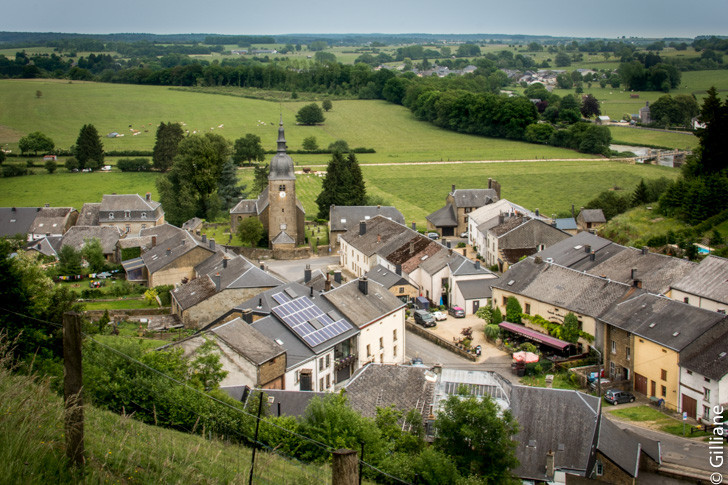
[453, 187]
[379, 238]
[262, 267]
[553, 223]
[149, 196]
[581, 210]
[537, 213]
[645, 250]
[362, 228]
[587, 248]
[477, 264]
[412, 248]
[501, 218]
[398, 269]
[633, 273]
[310, 293]
[465, 251]
[204, 238]
[216, 279]
[247, 315]
[364, 285]
[550, 464]
[169, 251]
[538, 260]
[448, 243]
[637, 283]
[212, 244]
[224, 263]
[14, 209]
[327, 283]
[307, 274]
[449, 251]
[154, 241]
[414, 226]
[337, 277]
[593, 256]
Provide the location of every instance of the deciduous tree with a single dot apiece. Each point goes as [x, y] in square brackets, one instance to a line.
[250, 231]
[311, 114]
[93, 254]
[248, 148]
[169, 136]
[310, 144]
[36, 142]
[590, 106]
[326, 104]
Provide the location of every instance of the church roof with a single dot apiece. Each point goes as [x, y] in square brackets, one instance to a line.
[283, 238]
[281, 166]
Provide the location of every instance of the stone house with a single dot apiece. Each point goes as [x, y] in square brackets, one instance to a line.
[590, 220]
[452, 219]
[173, 261]
[131, 213]
[486, 217]
[52, 221]
[393, 281]
[345, 218]
[518, 236]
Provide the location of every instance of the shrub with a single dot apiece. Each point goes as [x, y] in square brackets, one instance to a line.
[14, 170]
[51, 166]
[134, 164]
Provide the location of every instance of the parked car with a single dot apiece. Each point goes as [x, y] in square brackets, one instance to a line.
[456, 312]
[615, 396]
[433, 235]
[416, 361]
[439, 316]
[603, 382]
[424, 318]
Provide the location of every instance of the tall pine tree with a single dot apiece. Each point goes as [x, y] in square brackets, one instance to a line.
[169, 135]
[227, 188]
[343, 185]
[89, 150]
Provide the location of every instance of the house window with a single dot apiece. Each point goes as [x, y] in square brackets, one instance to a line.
[381, 359]
[394, 335]
[614, 347]
[612, 369]
[706, 394]
[128, 228]
[664, 391]
[505, 300]
[401, 289]
[663, 374]
[706, 413]
[111, 215]
[127, 214]
[328, 360]
[465, 219]
[600, 468]
[144, 215]
[690, 372]
[686, 300]
[381, 343]
[706, 379]
[328, 381]
[528, 308]
[321, 384]
[394, 351]
[369, 350]
[628, 352]
[281, 188]
[321, 363]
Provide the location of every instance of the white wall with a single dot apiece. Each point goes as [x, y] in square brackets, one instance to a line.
[697, 301]
[294, 384]
[690, 383]
[383, 329]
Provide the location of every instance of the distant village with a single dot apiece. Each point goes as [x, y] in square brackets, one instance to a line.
[657, 322]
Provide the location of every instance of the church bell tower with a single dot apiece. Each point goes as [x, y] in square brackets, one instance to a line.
[282, 218]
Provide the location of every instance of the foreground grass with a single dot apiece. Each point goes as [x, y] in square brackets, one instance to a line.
[120, 449]
[653, 419]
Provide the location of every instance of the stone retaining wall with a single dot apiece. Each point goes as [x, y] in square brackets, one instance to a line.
[439, 341]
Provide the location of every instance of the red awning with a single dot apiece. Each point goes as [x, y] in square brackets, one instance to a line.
[530, 334]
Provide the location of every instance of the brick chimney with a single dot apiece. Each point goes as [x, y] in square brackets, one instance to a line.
[327, 283]
[307, 274]
[414, 226]
[364, 285]
[550, 464]
[224, 263]
[453, 187]
[169, 251]
[337, 277]
[154, 241]
[645, 250]
[216, 279]
[587, 248]
[149, 197]
[362, 228]
[204, 238]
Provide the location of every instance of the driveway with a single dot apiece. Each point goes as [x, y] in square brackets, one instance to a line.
[292, 269]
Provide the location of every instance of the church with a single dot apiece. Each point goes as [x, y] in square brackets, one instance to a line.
[277, 207]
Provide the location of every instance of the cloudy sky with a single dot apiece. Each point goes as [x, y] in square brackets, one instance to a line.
[579, 18]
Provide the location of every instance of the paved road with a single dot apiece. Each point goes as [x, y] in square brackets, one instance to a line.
[292, 270]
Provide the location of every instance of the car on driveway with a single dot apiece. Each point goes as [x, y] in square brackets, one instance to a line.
[424, 318]
[615, 396]
[433, 235]
[456, 312]
[439, 316]
[416, 361]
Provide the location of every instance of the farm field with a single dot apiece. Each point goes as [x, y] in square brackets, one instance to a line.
[391, 130]
[416, 190]
[636, 136]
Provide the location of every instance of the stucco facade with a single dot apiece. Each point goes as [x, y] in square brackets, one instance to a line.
[708, 393]
[656, 371]
[180, 268]
[382, 341]
[698, 301]
[321, 369]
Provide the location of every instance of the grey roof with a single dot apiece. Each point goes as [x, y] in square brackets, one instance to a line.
[476, 289]
[264, 302]
[363, 309]
[127, 202]
[16, 220]
[380, 385]
[274, 329]
[531, 234]
[193, 292]
[620, 447]
[650, 447]
[318, 281]
[672, 324]
[492, 211]
[708, 354]
[89, 215]
[592, 215]
[708, 280]
[157, 258]
[444, 217]
[557, 420]
[656, 271]
[281, 165]
[508, 224]
[248, 341]
[462, 266]
[238, 272]
[192, 224]
[379, 232]
[245, 206]
[572, 252]
[386, 277]
[51, 220]
[48, 245]
[343, 218]
[108, 236]
[473, 197]
[162, 232]
[292, 403]
[283, 238]
[566, 224]
[563, 287]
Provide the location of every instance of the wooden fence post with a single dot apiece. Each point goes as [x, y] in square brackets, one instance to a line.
[344, 468]
[72, 384]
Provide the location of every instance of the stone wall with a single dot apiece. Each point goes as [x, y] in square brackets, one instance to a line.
[438, 341]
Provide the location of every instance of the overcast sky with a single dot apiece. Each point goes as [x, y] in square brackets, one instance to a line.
[579, 18]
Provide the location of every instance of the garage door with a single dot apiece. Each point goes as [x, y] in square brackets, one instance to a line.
[689, 405]
[640, 383]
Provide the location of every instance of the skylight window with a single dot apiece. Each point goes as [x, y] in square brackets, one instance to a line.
[676, 334]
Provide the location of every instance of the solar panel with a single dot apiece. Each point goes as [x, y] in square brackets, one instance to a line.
[281, 298]
[308, 321]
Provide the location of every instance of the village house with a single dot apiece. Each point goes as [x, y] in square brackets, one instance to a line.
[48, 246]
[173, 261]
[108, 236]
[704, 285]
[452, 219]
[590, 220]
[393, 281]
[131, 213]
[16, 221]
[52, 221]
[221, 282]
[345, 218]
[654, 333]
[487, 217]
[704, 376]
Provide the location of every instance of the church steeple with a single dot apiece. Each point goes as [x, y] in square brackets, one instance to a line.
[281, 137]
[281, 166]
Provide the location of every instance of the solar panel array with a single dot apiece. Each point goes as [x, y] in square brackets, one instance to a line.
[281, 298]
[298, 315]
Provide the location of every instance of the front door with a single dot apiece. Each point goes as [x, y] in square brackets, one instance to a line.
[476, 305]
[690, 406]
[640, 383]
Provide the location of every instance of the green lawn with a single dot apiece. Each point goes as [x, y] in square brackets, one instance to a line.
[652, 417]
[122, 304]
[635, 227]
[561, 381]
[635, 136]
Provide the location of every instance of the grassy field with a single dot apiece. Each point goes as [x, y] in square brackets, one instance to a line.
[416, 190]
[653, 418]
[391, 130]
[635, 227]
[636, 136]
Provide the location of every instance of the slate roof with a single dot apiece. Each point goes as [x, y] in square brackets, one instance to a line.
[162, 232]
[264, 302]
[379, 232]
[381, 385]
[563, 287]
[571, 252]
[657, 272]
[108, 236]
[318, 281]
[386, 277]
[476, 289]
[292, 403]
[296, 350]
[239, 273]
[192, 224]
[530, 234]
[620, 447]
[491, 211]
[557, 420]
[462, 266]
[193, 292]
[473, 197]
[566, 224]
[248, 341]
[363, 309]
[127, 202]
[283, 238]
[650, 447]
[157, 258]
[708, 280]
[708, 354]
[50, 220]
[89, 215]
[592, 215]
[672, 324]
[507, 225]
[344, 218]
[16, 220]
[48, 245]
[444, 217]
[245, 206]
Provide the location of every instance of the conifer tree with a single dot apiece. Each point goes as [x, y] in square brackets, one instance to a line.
[89, 150]
[169, 135]
[228, 189]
